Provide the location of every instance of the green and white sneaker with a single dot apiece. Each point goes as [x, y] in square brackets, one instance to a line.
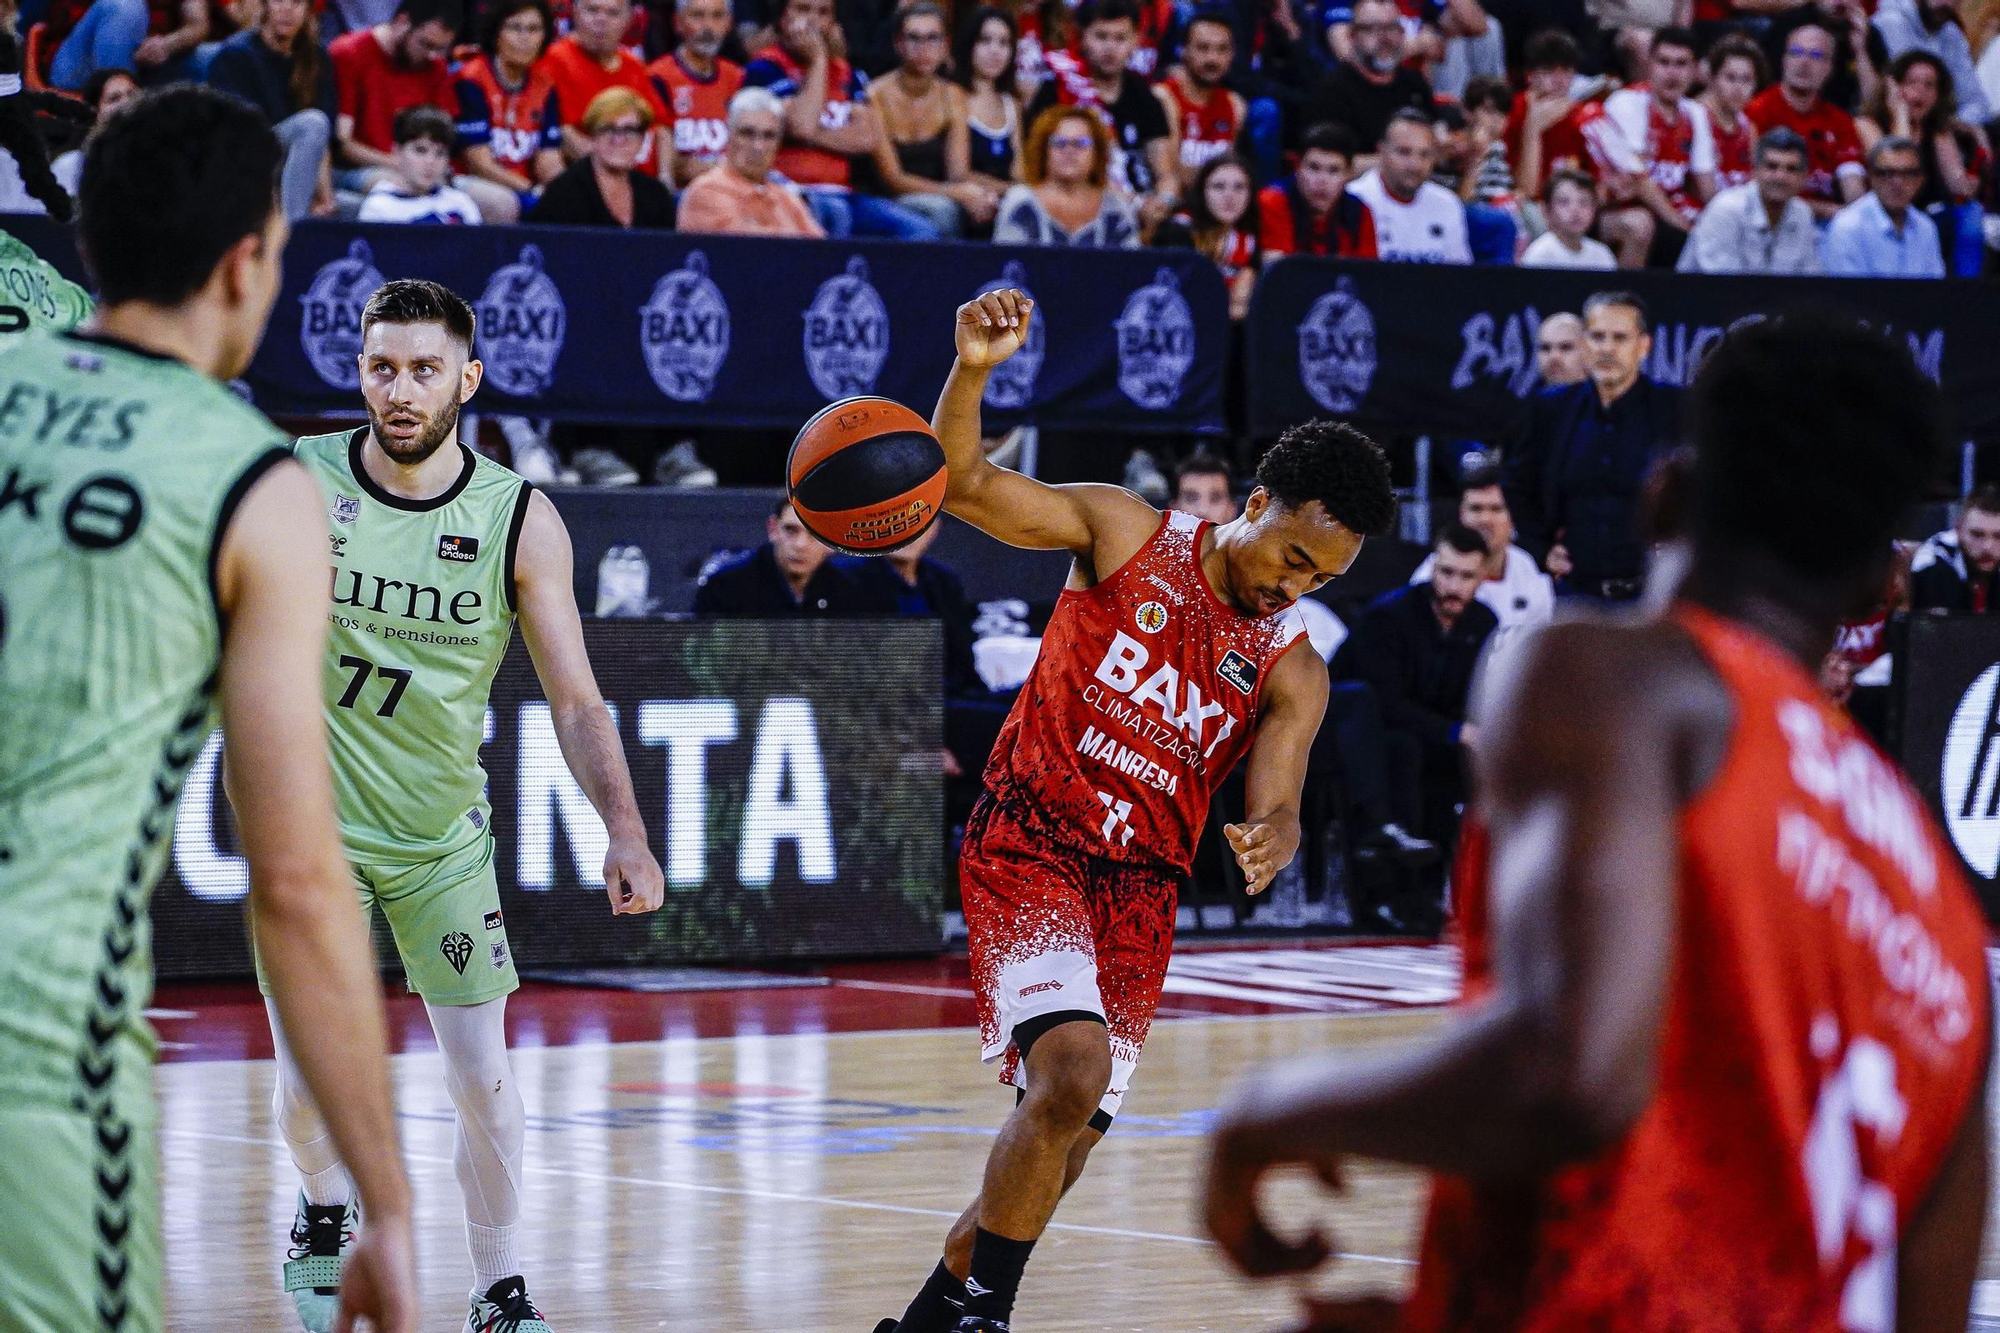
[505, 1308]
[321, 1237]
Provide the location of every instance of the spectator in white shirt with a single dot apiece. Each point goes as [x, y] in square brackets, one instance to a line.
[1515, 588]
[418, 187]
[1416, 220]
[1763, 227]
[1569, 204]
[1880, 235]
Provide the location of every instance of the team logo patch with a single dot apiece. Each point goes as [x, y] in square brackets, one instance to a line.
[1152, 617]
[474, 818]
[457, 950]
[462, 549]
[493, 921]
[498, 955]
[346, 508]
[1238, 670]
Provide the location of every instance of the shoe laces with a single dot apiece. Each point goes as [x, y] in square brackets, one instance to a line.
[511, 1308]
[321, 1231]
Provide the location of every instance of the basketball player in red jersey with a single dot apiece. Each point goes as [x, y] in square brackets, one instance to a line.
[1723, 1068]
[1206, 117]
[1172, 653]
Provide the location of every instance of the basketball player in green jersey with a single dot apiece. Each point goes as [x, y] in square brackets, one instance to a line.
[33, 295]
[149, 570]
[436, 551]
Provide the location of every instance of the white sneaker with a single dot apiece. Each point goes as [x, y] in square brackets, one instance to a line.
[505, 1308]
[529, 449]
[321, 1238]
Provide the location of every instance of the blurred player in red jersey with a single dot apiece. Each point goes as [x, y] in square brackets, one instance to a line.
[1172, 653]
[1723, 1068]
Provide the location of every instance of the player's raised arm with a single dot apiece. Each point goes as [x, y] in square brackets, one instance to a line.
[546, 603]
[273, 592]
[998, 501]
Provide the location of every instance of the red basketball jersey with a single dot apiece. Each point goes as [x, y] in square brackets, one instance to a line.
[1825, 1034]
[515, 123]
[1144, 696]
[1833, 146]
[1735, 152]
[700, 107]
[1207, 129]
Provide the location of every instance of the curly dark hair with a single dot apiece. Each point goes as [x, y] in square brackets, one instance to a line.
[1335, 464]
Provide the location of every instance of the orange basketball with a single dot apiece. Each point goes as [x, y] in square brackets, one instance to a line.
[866, 475]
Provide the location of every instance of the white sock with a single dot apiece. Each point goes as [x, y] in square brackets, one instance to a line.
[493, 1257]
[329, 1187]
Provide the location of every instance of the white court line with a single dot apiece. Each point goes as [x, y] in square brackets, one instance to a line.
[783, 1197]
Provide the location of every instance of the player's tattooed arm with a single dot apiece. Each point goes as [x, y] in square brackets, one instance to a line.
[546, 603]
[1101, 525]
[1294, 702]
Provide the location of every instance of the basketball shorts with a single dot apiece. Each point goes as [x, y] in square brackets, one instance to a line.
[80, 1219]
[445, 917]
[1053, 931]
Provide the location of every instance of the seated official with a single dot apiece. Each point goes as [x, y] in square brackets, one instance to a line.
[789, 575]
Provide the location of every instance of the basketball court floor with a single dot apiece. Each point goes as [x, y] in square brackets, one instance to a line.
[790, 1158]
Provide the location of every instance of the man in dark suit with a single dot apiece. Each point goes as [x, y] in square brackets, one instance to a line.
[1415, 649]
[1576, 473]
[789, 575]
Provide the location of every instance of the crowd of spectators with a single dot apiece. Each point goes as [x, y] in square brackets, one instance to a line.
[1666, 133]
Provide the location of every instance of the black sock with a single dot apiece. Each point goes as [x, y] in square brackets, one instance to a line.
[938, 1307]
[996, 1275]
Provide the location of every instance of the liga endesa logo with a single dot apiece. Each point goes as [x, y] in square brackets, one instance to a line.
[1969, 780]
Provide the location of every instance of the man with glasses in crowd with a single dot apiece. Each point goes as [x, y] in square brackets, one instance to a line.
[1797, 102]
[1880, 235]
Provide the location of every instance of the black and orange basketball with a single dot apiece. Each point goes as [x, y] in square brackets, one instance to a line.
[866, 475]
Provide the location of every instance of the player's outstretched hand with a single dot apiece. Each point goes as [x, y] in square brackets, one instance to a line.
[378, 1287]
[632, 878]
[1261, 850]
[993, 327]
[1239, 1156]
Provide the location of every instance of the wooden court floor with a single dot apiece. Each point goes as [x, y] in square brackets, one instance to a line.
[796, 1180]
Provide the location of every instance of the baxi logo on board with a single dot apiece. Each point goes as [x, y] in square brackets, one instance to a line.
[1337, 349]
[330, 323]
[847, 333]
[521, 326]
[1969, 780]
[1012, 383]
[1155, 343]
[684, 332]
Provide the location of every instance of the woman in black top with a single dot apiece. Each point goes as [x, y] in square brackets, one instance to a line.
[279, 68]
[922, 158]
[982, 62]
[602, 189]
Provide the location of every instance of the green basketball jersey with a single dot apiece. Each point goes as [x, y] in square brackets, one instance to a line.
[119, 470]
[33, 295]
[423, 606]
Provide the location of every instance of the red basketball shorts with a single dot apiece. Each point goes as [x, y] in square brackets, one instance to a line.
[1052, 930]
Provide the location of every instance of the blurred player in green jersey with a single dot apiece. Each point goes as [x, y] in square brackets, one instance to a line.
[149, 573]
[436, 552]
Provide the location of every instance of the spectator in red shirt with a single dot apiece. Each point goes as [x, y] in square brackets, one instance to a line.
[385, 70]
[154, 37]
[698, 84]
[1656, 155]
[1835, 176]
[591, 60]
[1311, 213]
[1542, 133]
[1736, 70]
[507, 128]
